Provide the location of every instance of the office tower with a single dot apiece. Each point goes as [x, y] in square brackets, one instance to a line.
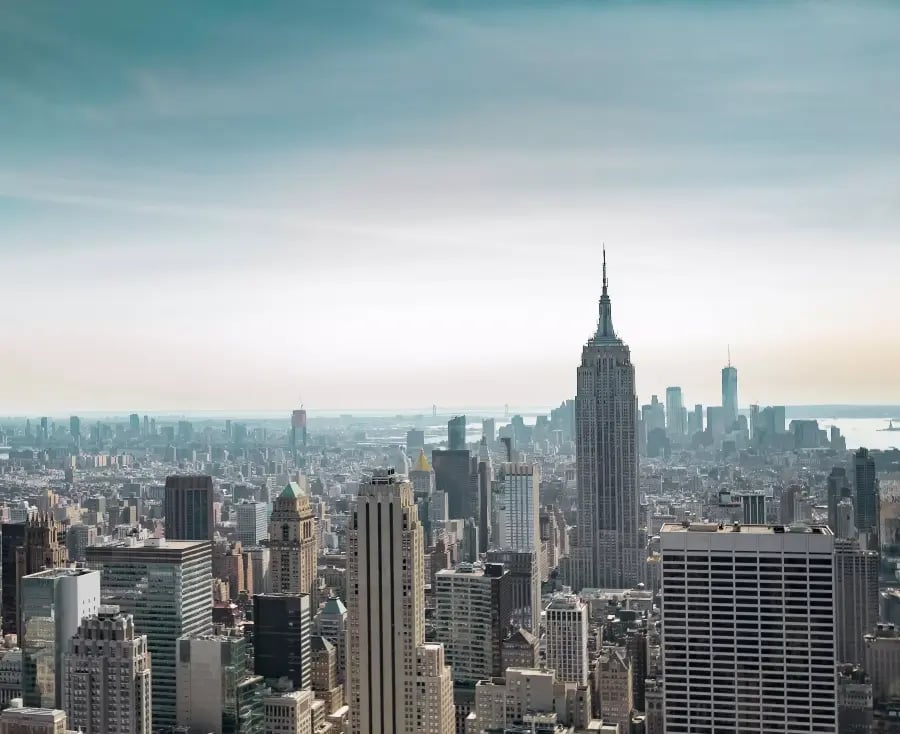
[166, 585]
[293, 543]
[53, 604]
[281, 632]
[730, 394]
[753, 505]
[695, 420]
[217, 694]
[289, 713]
[134, 424]
[456, 433]
[33, 721]
[106, 672]
[837, 489]
[868, 498]
[716, 422]
[674, 408]
[331, 623]
[45, 432]
[395, 680]
[453, 475]
[845, 520]
[422, 479]
[252, 523]
[567, 639]
[525, 585]
[653, 415]
[27, 548]
[78, 538]
[518, 506]
[855, 599]
[298, 432]
[259, 560]
[484, 478]
[489, 429]
[778, 419]
[609, 552]
[883, 662]
[472, 613]
[748, 629]
[615, 685]
[188, 507]
[415, 441]
[75, 430]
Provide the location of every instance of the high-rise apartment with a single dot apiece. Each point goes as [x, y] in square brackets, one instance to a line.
[293, 543]
[217, 694]
[252, 523]
[855, 598]
[609, 552]
[53, 604]
[730, 394]
[471, 618]
[395, 684]
[281, 632]
[567, 639]
[188, 507]
[517, 504]
[106, 672]
[748, 629]
[166, 585]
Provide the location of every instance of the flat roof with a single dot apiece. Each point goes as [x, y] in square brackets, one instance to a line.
[724, 528]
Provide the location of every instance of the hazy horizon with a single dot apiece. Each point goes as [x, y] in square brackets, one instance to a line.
[364, 204]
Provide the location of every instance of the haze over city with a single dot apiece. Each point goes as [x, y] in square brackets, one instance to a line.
[371, 205]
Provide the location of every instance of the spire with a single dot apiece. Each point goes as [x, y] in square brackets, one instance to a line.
[605, 331]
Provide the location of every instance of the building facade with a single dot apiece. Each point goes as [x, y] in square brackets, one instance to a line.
[567, 639]
[188, 507]
[748, 637]
[281, 632]
[252, 523]
[293, 543]
[517, 506]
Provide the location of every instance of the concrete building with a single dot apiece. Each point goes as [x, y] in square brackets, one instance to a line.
[252, 523]
[748, 628]
[289, 713]
[567, 639]
[78, 538]
[395, 684]
[472, 612]
[293, 544]
[10, 677]
[53, 604]
[188, 507]
[753, 507]
[281, 631]
[33, 720]
[883, 662]
[166, 585]
[854, 700]
[323, 673]
[517, 506]
[855, 599]
[331, 623]
[259, 560]
[106, 672]
[521, 649]
[217, 694]
[609, 553]
[613, 677]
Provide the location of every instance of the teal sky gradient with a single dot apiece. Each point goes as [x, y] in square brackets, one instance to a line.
[365, 204]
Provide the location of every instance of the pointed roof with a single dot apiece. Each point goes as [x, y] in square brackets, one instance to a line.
[422, 462]
[521, 637]
[334, 607]
[292, 491]
[605, 333]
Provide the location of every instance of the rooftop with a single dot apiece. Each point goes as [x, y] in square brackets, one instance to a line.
[698, 527]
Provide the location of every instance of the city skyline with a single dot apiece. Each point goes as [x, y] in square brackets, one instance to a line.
[178, 217]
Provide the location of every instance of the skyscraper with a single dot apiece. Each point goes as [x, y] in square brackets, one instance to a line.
[609, 554]
[189, 507]
[748, 629]
[675, 427]
[729, 394]
[855, 599]
[868, 499]
[567, 639]
[298, 431]
[422, 478]
[293, 543]
[453, 475]
[106, 672]
[53, 604]
[281, 632]
[518, 506]
[837, 489]
[252, 523]
[392, 686]
[524, 569]
[166, 585]
[456, 433]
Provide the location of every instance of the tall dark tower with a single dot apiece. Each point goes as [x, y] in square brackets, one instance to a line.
[188, 507]
[868, 498]
[298, 432]
[609, 554]
[729, 393]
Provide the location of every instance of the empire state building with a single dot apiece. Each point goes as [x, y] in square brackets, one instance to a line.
[609, 553]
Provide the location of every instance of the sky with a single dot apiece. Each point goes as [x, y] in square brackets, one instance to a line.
[357, 204]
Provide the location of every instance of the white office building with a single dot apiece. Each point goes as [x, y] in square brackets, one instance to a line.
[748, 629]
[517, 506]
[567, 639]
[290, 713]
[252, 523]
